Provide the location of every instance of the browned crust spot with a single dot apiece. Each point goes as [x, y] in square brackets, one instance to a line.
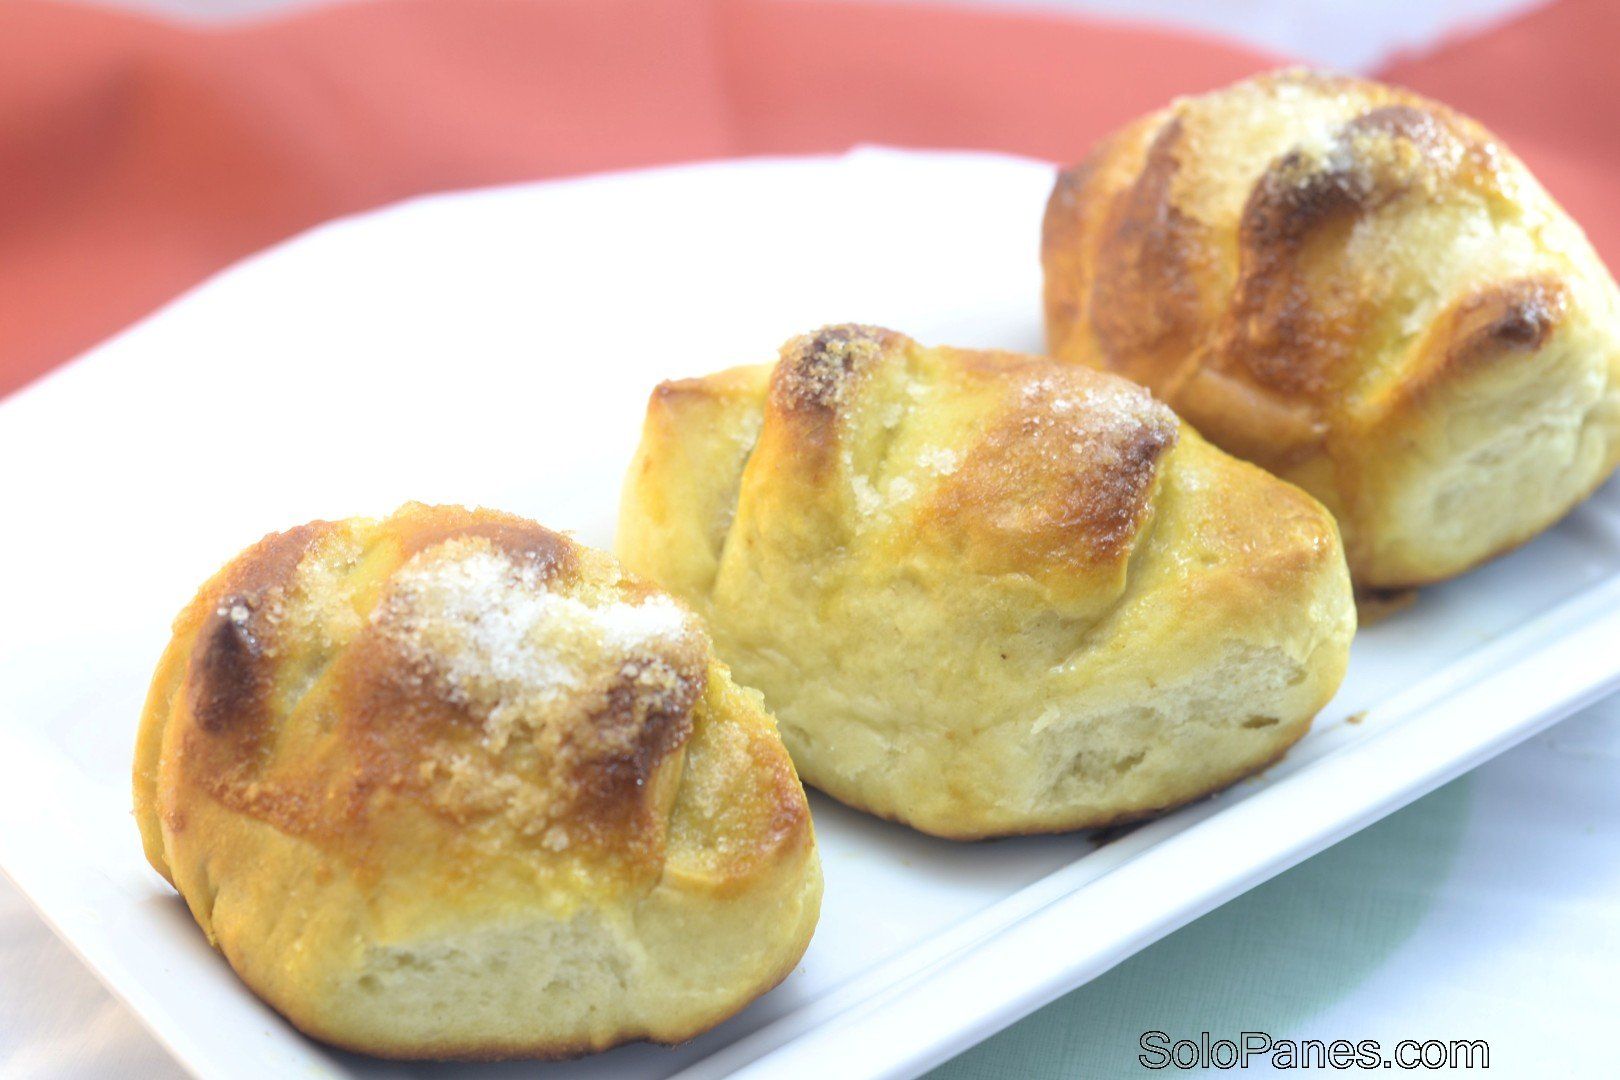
[1514, 317]
[1511, 318]
[816, 370]
[1063, 477]
[1402, 121]
[228, 676]
[1276, 332]
[659, 725]
[1145, 304]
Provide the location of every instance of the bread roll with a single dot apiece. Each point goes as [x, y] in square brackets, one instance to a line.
[452, 785]
[986, 593]
[1360, 290]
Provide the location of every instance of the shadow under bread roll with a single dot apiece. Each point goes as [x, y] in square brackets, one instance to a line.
[453, 785]
[1360, 290]
[984, 593]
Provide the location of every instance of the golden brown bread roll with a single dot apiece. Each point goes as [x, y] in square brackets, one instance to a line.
[986, 593]
[452, 785]
[1360, 290]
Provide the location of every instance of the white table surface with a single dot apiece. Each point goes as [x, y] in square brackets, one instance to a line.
[1489, 909]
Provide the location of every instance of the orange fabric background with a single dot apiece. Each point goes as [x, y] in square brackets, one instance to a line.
[138, 156]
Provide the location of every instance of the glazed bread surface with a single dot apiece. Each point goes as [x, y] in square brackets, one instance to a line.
[1360, 290]
[453, 785]
[985, 593]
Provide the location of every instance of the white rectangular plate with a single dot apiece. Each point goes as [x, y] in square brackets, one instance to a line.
[497, 348]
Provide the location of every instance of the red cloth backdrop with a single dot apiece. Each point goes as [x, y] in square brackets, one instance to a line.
[138, 156]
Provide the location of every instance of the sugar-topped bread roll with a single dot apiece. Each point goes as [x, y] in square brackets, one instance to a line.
[1360, 290]
[987, 593]
[452, 785]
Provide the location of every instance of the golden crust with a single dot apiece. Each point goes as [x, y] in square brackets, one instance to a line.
[1351, 286]
[985, 593]
[1083, 453]
[456, 733]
